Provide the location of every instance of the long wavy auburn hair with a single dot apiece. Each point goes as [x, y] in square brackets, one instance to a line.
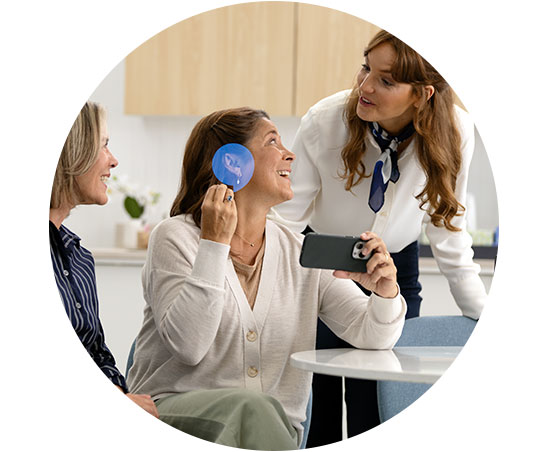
[235, 125]
[438, 139]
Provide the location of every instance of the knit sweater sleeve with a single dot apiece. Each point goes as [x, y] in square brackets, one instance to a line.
[365, 322]
[183, 281]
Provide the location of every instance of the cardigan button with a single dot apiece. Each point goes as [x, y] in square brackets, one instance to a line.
[251, 336]
[252, 372]
[65, 272]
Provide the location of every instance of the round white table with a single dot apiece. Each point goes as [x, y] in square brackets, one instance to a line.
[411, 364]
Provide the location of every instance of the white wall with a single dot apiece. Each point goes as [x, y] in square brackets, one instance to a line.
[149, 149]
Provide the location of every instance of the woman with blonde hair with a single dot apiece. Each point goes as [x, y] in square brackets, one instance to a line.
[227, 302]
[83, 168]
[389, 155]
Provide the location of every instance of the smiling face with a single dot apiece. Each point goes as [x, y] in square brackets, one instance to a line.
[381, 98]
[270, 183]
[92, 188]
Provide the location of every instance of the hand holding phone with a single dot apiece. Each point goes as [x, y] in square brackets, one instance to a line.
[334, 252]
[375, 270]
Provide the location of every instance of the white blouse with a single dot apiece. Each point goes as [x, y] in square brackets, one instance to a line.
[321, 201]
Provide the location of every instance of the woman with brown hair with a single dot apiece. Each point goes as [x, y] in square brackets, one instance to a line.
[386, 156]
[227, 302]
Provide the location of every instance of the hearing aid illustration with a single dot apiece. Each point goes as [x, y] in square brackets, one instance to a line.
[233, 165]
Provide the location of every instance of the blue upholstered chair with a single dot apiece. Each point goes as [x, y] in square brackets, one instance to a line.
[394, 396]
[305, 423]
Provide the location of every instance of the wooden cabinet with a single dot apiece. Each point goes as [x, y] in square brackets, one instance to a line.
[330, 47]
[279, 56]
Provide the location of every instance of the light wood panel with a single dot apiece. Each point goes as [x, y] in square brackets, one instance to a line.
[330, 47]
[279, 56]
[228, 57]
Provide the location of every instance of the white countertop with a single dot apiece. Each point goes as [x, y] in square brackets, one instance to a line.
[119, 256]
[136, 258]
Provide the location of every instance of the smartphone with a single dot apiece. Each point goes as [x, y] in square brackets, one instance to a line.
[334, 252]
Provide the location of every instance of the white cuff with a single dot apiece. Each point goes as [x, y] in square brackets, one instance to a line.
[210, 263]
[388, 310]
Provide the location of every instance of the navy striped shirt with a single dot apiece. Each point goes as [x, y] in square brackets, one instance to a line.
[74, 270]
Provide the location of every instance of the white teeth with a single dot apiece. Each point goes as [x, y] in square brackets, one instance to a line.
[104, 178]
[283, 173]
[365, 100]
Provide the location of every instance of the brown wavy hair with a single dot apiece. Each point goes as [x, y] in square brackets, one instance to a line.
[235, 125]
[438, 139]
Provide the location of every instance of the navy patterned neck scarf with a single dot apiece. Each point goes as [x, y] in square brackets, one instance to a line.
[386, 168]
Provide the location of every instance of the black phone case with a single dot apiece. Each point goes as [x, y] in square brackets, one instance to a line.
[332, 252]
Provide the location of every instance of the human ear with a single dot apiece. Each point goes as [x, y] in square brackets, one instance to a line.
[427, 92]
[429, 89]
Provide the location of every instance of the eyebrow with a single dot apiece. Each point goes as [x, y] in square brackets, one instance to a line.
[383, 71]
[275, 132]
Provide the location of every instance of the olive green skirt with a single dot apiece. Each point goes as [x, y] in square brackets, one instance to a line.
[233, 417]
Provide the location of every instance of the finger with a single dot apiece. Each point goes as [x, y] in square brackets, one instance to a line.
[342, 274]
[229, 196]
[386, 271]
[210, 193]
[220, 193]
[378, 260]
[374, 245]
[361, 278]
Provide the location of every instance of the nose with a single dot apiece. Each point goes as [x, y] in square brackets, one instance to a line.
[288, 155]
[113, 160]
[363, 85]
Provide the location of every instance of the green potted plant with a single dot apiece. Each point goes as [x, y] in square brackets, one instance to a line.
[134, 232]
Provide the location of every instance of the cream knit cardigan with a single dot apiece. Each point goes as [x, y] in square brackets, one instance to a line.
[200, 333]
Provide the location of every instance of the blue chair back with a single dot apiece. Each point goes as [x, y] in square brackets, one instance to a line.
[393, 396]
[305, 423]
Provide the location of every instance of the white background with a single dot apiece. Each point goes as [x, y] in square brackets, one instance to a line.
[55, 53]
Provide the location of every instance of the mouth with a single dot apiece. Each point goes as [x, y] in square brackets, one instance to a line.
[104, 179]
[284, 173]
[365, 101]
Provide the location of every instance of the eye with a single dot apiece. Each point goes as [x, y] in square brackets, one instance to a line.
[386, 82]
[366, 68]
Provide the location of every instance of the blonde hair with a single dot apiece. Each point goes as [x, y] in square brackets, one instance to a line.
[438, 139]
[79, 153]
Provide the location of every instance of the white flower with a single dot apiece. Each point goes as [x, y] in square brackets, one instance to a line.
[144, 197]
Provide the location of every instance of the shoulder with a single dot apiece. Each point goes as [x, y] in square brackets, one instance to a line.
[323, 125]
[329, 109]
[180, 228]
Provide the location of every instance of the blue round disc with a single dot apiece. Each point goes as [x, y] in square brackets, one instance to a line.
[233, 164]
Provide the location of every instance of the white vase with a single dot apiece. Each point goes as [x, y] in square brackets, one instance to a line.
[126, 233]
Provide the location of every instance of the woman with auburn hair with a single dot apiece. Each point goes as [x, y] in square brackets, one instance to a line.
[227, 302]
[387, 156]
[83, 168]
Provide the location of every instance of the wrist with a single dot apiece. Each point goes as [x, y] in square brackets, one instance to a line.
[390, 293]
